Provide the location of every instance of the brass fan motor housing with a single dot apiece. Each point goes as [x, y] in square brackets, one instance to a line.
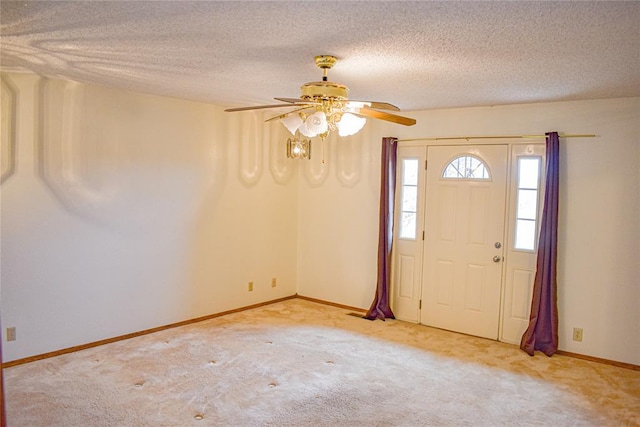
[324, 90]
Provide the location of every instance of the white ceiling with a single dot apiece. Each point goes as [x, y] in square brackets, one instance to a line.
[417, 55]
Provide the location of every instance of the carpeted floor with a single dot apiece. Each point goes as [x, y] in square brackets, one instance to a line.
[298, 363]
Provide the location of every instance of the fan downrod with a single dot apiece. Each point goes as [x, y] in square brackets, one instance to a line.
[325, 62]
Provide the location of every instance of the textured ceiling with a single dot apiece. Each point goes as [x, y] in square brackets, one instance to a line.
[417, 55]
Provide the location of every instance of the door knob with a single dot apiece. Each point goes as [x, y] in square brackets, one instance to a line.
[497, 258]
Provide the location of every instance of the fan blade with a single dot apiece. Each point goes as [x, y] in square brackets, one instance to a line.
[374, 104]
[259, 107]
[386, 116]
[350, 103]
[291, 100]
[297, 101]
[282, 116]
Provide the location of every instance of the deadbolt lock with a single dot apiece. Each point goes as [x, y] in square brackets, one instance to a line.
[498, 245]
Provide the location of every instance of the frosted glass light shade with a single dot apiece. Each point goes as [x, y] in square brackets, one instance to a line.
[350, 124]
[314, 125]
[292, 123]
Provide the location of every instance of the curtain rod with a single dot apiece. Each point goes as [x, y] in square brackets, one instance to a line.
[446, 138]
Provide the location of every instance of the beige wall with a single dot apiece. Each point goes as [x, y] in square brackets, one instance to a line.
[599, 253]
[129, 211]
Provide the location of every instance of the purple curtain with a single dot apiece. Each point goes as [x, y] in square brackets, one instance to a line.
[380, 308]
[542, 333]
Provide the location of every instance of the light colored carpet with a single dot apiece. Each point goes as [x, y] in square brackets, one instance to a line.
[297, 363]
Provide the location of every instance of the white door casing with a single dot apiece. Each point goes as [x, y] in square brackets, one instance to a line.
[464, 242]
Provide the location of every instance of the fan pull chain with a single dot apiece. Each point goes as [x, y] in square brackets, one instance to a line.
[322, 150]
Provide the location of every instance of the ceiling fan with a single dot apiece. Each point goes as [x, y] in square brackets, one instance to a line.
[324, 106]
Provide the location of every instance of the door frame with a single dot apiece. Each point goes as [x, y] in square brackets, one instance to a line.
[533, 145]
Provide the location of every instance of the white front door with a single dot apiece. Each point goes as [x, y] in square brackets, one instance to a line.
[464, 238]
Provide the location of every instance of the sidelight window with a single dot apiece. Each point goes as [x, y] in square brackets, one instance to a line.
[527, 207]
[409, 198]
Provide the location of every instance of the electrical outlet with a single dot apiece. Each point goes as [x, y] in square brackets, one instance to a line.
[577, 334]
[250, 286]
[11, 334]
[273, 282]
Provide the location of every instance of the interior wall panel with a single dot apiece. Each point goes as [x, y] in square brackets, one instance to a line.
[130, 211]
[9, 99]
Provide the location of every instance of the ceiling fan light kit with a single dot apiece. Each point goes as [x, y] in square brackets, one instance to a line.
[292, 122]
[316, 124]
[324, 107]
[298, 148]
[350, 124]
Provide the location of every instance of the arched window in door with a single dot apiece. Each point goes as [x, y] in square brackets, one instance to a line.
[466, 167]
